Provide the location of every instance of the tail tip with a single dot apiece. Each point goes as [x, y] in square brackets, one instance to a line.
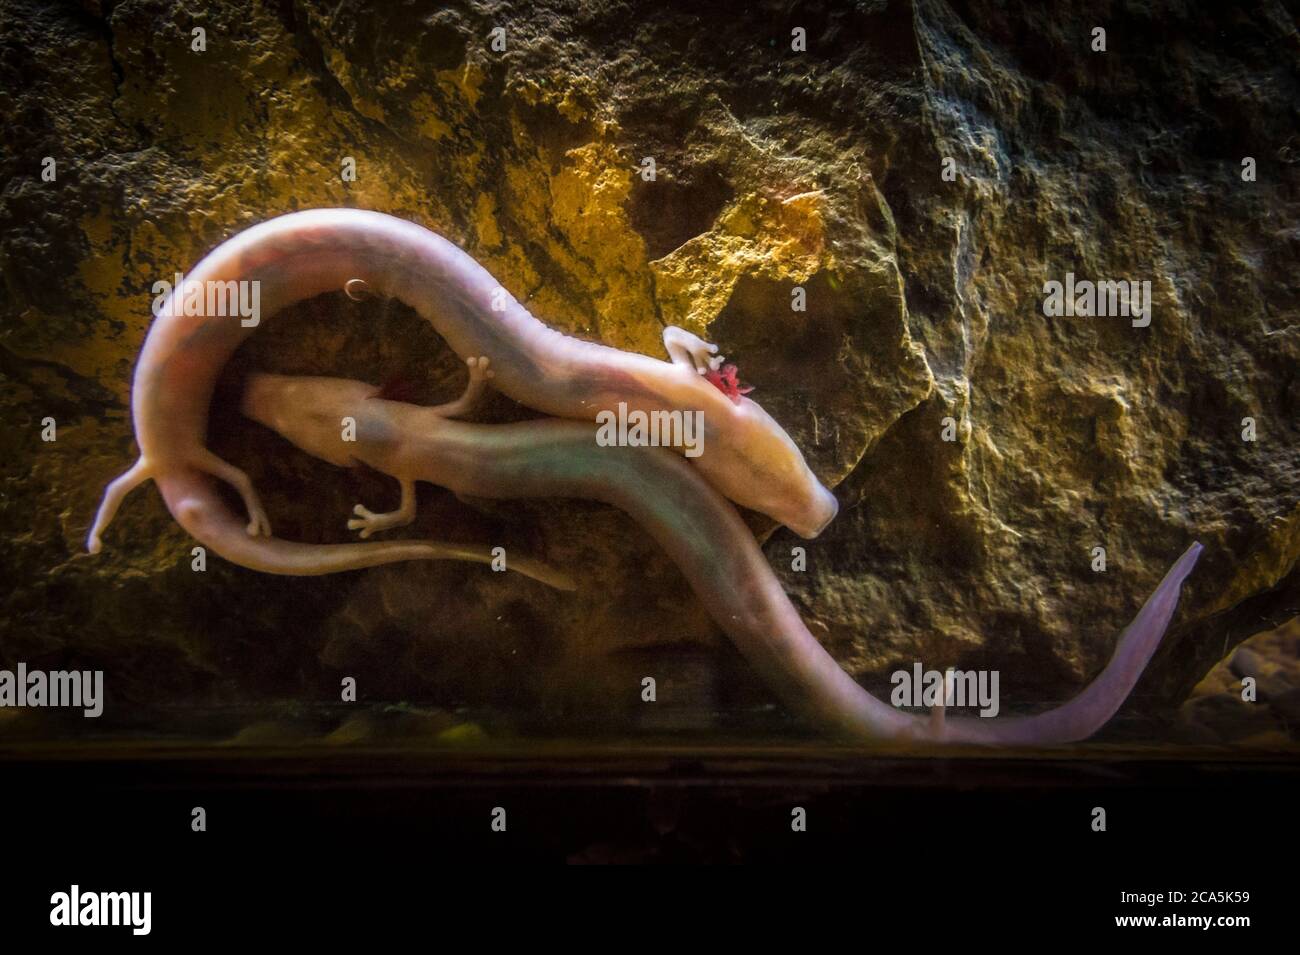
[1191, 556]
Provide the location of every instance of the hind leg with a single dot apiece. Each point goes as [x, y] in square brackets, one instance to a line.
[209, 463]
[117, 489]
[368, 522]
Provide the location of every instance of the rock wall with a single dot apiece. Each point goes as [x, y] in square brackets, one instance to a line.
[821, 169]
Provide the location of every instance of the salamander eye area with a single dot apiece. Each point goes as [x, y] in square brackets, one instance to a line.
[768, 472]
[315, 413]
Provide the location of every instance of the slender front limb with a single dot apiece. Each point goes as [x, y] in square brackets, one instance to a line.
[690, 350]
[368, 522]
[119, 488]
[479, 373]
[209, 463]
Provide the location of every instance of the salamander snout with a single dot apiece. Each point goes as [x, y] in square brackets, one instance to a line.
[823, 511]
[816, 507]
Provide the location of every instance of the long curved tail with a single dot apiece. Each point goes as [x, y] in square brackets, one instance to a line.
[192, 499]
[1100, 699]
[717, 553]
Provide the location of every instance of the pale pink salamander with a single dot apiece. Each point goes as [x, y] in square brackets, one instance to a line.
[747, 456]
[698, 528]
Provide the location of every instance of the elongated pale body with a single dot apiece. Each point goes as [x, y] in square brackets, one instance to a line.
[746, 454]
[698, 528]
[747, 457]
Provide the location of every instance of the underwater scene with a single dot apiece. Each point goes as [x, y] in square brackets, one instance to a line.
[629, 432]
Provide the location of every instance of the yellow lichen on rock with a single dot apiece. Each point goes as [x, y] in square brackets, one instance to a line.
[485, 222]
[588, 203]
[573, 102]
[577, 215]
[427, 120]
[466, 82]
[757, 236]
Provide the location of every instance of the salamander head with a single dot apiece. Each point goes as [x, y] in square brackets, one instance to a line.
[755, 463]
[310, 412]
